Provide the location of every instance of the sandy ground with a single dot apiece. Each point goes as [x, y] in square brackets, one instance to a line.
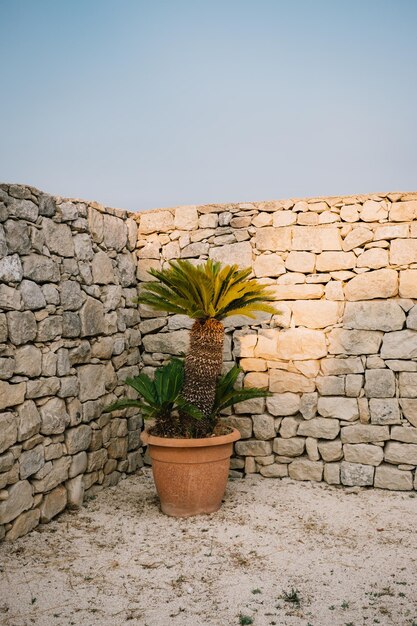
[278, 552]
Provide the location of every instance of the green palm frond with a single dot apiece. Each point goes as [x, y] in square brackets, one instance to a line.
[227, 395]
[208, 290]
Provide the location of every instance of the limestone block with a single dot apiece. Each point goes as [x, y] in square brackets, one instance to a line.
[400, 453]
[350, 212]
[379, 383]
[388, 477]
[374, 258]
[309, 368]
[102, 269]
[143, 268]
[403, 211]
[156, 221]
[304, 469]
[115, 232]
[42, 387]
[384, 411]
[403, 251]
[10, 299]
[362, 433]
[11, 394]
[404, 434]
[281, 381]
[289, 427]
[253, 447]
[283, 218]
[31, 461]
[254, 406]
[49, 328]
[22, 327]
[312, 449]
[332, 261]
[54, 418]
[8, 426]
[357, 237]
[408, 284]
[268, 265]
[3, 327]
[29, 420]
[283, 404]
[233, 254]
[345, 409]
[20, 499]
[75, 492]
[401, 344]
[316, 239]
[343, 341]
[83, 248]
[334, 291]
[308, 405]
[330, 385]
[58, 238]
[412, 318]
[356, 474]
[92, 318]
[174, 343]
[31, 295]
[11, 269]
[300, 344]
[334, 366]
[375, 284]
[300, 262]
[243, 425]
[256, 379]
[23, 524]
[379, 315]
[409, 409]
[263, 427]
[353, 385]
[315, 314]
[331, 473]
[330, 450]
[320, 428]
[408, 384]
[186, 218]
[363, 453]
[391, 231]
[6, 461]
[40, 269]
[126, 269]
[293, 446]
[275, 470]
[196, 249]
[297, 292]
[273, 239]
[373, 211]
[252, 365]
[78, 439]
[53, 503]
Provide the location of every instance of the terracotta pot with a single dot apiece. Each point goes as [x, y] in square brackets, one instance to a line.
[190, 474]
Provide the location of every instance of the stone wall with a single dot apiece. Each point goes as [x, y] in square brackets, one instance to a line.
[341, 359]
[69, 336]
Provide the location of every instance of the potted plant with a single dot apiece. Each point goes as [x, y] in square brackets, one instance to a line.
[190, 448]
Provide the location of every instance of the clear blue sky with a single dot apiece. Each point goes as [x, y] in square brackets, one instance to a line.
[142, 104]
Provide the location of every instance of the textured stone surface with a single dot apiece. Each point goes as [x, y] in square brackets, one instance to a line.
[386, 316]
[20, 499]
[315, 314]
[389, 477]
[356, 474]
[362, 433]
[396, 452]
[363, 453]
[320, 428]
[304, 469]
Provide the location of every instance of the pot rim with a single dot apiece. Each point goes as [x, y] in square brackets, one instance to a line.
[167, 442]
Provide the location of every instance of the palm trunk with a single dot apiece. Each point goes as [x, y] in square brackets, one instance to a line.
[203, 365]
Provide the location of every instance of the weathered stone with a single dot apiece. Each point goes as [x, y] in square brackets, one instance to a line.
[11, 394]
[353, 386]
[330, 385]
[320, 428]
[386, 316]
[78, 464]
[275, 470]
[299, 344]
[23, 524]
[273, 239]
[83, 248]
[331, 450]
[343, 341]
[78, 439]
[404, 433]
[11, 269]
[398, 453]
[8, 427]
[58, 238]
[28, 361]
[53, 503]
[126, 269]
[268, 265]
[356, 474]
[391, 231]
[335, 367]
[75, 492]
[363, 453]
[20, 499]
[57, 475]
[388, 477]
[313, 239]
[29, 421]
[92, 318]
[6, 461]
[331, 473]
[308, 405]
[374, 258]
[49, 329]
[297, 292]
[400, 344]
[356, 238]
[22, 327]
[293, 446]
[102, 269]
[72, 297]
[362, 433]
[334, 291]
[156, 221]
[32, 296]
[10, 299]
[384, 411]
[40, 269]
[31, 461]
[409, 409]
[373, 211]
[289, 427]
[283, 404]
[281, 381]
[332, 261]
[408, 384]
[235, 253]
[403, 211]
[317, 314]
[412, 318]
[345, 409]
[300, 262]
[92, 382]
[42, 387]
[3, 327]
[379, 383]
[304, 469]
[175, 343]
[115, 232]
[253, 447]
[403, 251]
[408, 284]
[54, 418]
[375, 284]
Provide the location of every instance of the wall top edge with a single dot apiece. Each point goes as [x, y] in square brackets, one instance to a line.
[22, 191]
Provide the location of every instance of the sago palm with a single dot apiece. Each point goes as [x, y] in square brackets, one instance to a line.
[207, 293]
